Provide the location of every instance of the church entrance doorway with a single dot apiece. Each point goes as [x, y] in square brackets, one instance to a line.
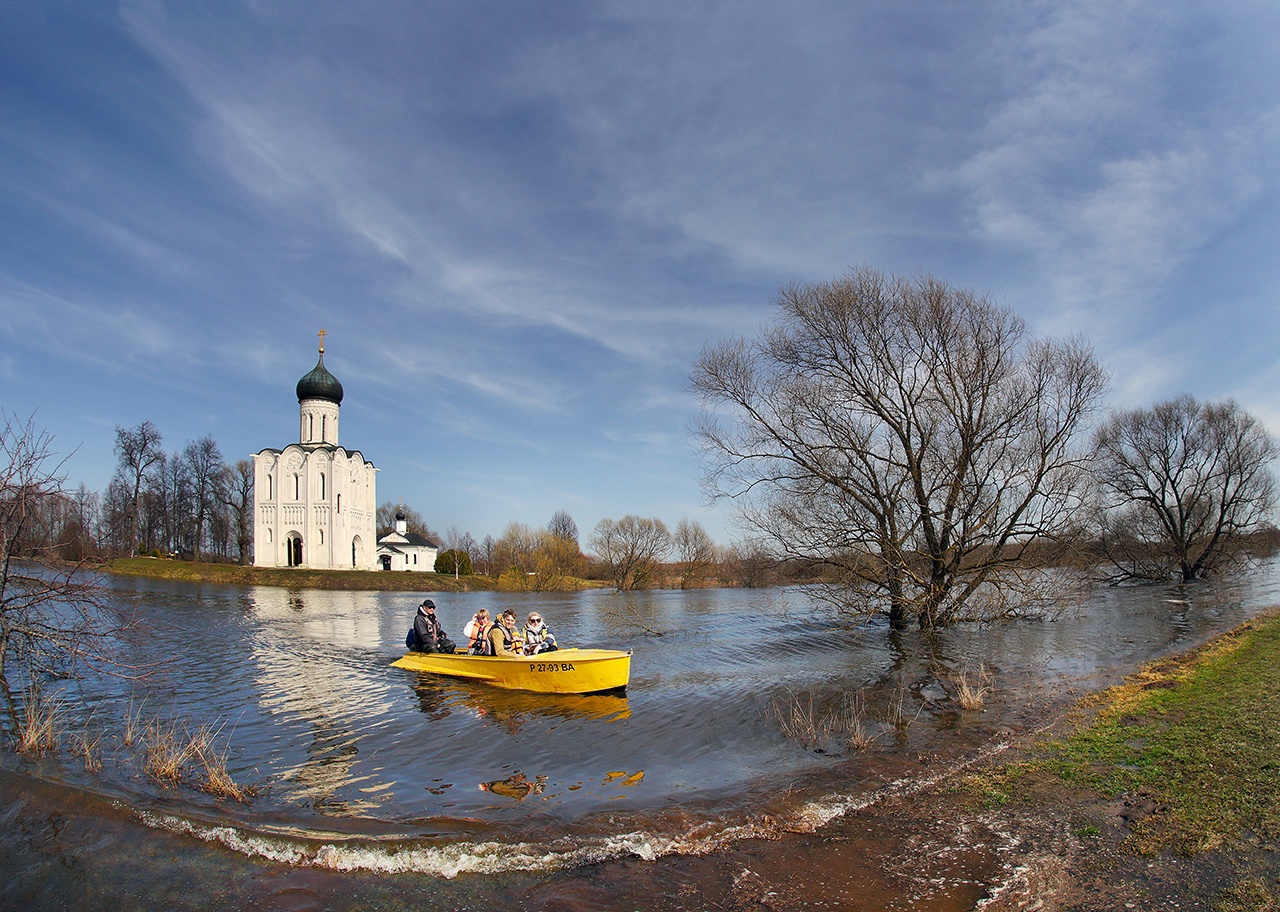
[293, 545]
[386, 561]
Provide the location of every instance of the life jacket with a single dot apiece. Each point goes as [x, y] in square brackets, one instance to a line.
[535, 637]
[508, 640]
[478, 638]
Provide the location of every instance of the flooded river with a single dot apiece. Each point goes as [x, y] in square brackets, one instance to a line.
[367, 779]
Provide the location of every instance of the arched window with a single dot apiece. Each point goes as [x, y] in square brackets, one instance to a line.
[322, 494]
[270, 479]
[297, 487]
[339, 503]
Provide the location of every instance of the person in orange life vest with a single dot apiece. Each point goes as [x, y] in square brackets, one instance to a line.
[475, 632]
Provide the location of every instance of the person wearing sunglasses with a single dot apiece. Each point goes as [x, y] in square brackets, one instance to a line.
[537, 636]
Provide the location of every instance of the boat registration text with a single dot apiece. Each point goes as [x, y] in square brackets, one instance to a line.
[550, 666]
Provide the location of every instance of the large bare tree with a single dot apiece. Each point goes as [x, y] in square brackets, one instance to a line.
[138, 450]
[237, 496]
[912, 435]
[695, 552]
[1182, 483]
[633, 547]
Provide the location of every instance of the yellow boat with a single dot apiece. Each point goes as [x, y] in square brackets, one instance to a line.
[565, 671]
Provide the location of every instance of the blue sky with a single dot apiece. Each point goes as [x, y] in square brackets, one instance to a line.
[520, 222]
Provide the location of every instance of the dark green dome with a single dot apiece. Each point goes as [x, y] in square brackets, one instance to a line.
[320, 384]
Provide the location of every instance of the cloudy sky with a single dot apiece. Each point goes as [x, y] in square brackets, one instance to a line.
[519, 222]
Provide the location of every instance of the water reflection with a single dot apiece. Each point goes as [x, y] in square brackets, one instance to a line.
[438, 697]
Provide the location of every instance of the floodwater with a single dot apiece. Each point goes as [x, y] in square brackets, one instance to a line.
[367, 779]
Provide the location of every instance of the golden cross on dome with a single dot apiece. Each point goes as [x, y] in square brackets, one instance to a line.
[322, 333]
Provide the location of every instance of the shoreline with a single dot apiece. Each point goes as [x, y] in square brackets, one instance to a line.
[305, 578]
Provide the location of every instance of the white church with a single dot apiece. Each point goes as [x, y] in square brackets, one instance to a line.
[315, 502]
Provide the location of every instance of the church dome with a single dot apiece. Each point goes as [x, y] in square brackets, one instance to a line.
[320, 384]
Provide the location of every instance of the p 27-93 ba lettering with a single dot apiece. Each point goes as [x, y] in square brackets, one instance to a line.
[550, 666]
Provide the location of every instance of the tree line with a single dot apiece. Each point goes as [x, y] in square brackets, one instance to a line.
[634, 552]
[189, 503]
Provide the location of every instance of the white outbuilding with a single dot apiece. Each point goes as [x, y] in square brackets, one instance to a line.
[315, 502]
[405, 550]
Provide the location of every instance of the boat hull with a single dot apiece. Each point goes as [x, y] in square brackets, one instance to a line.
[568, 671]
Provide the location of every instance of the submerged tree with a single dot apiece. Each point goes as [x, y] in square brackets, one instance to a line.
[912, 436]
[633, 547]
[1183, 483]
[696, 553]
[50, 616]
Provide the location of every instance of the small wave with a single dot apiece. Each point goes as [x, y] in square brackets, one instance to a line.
[404, 856]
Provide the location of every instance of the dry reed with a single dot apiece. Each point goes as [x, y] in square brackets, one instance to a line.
[38, 724]
[87, 746]
[800, 722]
[851, 721]
[168, 750]
[217, 781]
[972, 694]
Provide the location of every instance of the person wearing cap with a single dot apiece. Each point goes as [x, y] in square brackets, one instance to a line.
[427, 630]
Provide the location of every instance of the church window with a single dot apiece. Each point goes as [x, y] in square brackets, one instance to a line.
[323, 424]
[297, 487]
[322, 494]
[269, 480]
[339, 503]
[322, 536]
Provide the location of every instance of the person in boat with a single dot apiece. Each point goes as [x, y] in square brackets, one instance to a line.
[428, 635]
[504, 639]
[476, 632]
[538, 636]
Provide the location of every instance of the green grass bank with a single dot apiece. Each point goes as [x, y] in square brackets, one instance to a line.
[1177, 766]
[295, 578]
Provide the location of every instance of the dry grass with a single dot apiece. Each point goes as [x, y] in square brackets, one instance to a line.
[88, 746]
[971, 692]
[133, 725]
[216, 780]
[896, 714]
[851, 720]
[799, 721]
[168, 751]
[38, 725]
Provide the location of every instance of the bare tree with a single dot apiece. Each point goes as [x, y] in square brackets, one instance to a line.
[909, 434]
[386, 521]
[237, 495]
[695, 552]
[632, 547]
[49, 615]
[1183, 483]
[206, 474]
[488, 548]
[562, 526]
[138, 450]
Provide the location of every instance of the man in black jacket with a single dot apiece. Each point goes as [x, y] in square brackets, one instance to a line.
[427, 632]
